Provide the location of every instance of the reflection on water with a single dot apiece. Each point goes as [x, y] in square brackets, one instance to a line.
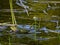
[2, 27]
[25, 34]
[1, 34]
[31, 32]
[30, 28]
[20, 3]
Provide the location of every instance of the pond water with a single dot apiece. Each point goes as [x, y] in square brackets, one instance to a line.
[30, 36]
[38, 23]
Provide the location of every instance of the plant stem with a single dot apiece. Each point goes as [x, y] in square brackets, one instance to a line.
[12, 13]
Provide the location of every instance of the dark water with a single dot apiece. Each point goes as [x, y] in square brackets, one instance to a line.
[44, 37]
[44, 31]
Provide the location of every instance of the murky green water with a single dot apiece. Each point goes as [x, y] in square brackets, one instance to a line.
[44, 30]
